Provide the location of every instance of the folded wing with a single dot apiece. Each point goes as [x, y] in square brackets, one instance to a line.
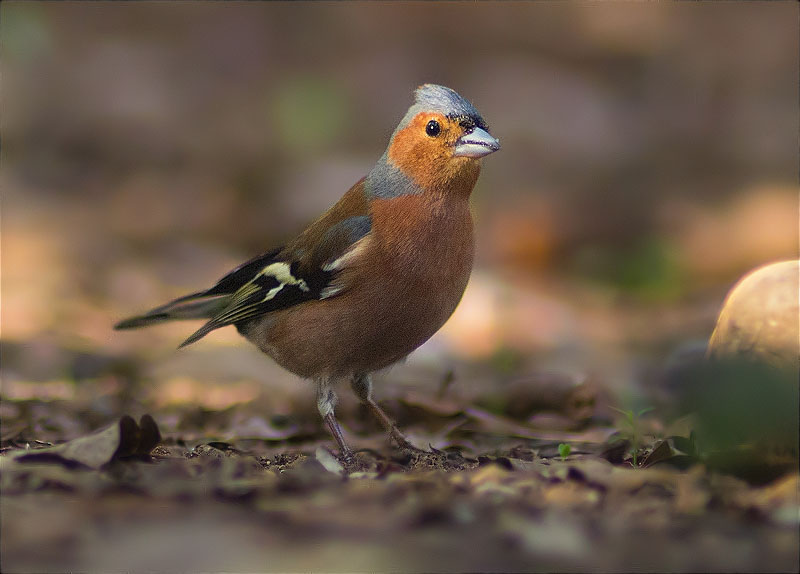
[272, 281]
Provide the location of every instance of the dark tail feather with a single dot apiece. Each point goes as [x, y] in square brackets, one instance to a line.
[141, 321]
[200, 333]
[181, 308]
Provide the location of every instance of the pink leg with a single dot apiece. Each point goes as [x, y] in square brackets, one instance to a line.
[326, 401]
[362, 386]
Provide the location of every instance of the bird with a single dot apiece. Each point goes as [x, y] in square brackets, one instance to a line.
[371, 279]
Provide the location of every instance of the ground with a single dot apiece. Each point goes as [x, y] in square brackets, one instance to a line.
[234, 489]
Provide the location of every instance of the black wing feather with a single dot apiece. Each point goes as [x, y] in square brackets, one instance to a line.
[274, 281]
[243, 274]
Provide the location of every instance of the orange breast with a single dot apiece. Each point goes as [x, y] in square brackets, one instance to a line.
[408, 284]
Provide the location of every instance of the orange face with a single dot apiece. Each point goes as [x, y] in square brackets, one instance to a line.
[431, 149]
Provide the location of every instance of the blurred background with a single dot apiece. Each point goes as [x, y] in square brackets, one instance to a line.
[649, 159]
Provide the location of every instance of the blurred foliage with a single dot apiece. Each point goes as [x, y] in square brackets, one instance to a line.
[741, 402]
[649, 269]
[309, 113]
[25, 32]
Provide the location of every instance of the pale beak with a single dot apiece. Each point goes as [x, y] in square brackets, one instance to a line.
[475, 144]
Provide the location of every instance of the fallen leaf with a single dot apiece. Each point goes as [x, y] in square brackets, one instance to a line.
[327, 460]
[120, 440]
[661, 452]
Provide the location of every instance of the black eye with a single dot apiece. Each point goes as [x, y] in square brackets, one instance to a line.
[433, 128]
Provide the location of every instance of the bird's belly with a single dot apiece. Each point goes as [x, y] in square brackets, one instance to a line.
[359, 331]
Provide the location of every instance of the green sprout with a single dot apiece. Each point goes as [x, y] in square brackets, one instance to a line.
[630, 430]
[564, 449]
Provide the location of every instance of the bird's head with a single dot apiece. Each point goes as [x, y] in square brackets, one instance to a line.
[438, 144]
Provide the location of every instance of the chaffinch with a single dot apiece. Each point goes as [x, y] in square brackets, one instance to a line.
[375, 276]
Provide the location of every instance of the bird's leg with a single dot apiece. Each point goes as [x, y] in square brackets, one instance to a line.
[362, 386]
[326, 401]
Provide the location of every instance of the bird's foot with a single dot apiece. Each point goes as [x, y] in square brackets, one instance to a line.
[345, 452]
[403, 443]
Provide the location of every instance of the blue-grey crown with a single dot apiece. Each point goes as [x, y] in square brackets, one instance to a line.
[431, 97]
[435, 98]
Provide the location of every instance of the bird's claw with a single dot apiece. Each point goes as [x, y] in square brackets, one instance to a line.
[403, 443]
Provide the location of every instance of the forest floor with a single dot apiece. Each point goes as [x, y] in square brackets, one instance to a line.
[233, 488]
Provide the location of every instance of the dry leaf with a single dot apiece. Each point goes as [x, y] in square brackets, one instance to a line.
[122, 439]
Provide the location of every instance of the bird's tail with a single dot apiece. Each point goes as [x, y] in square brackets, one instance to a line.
[194, 306]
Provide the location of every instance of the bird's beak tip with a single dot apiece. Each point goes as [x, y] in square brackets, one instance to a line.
[475, 144]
